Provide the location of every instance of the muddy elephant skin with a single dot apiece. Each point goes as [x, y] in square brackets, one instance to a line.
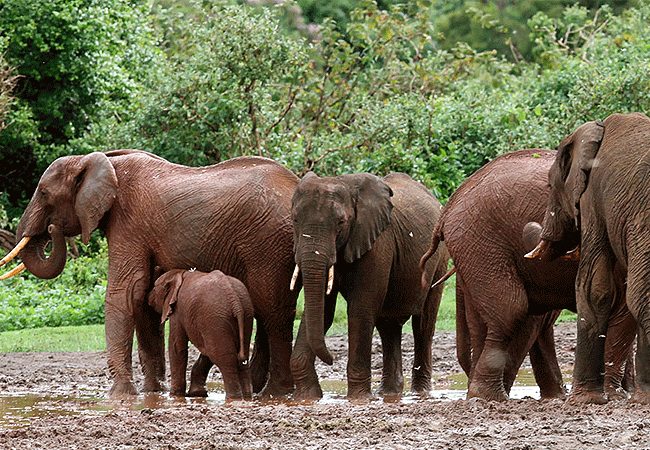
[215, 313]
[234, 216]
[369, 233]
[507, 304]
[600, 186]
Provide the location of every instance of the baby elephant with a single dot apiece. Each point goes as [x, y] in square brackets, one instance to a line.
[215, 313]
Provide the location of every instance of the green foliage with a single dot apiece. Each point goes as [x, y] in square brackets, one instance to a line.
[76, 297]
[78, 60]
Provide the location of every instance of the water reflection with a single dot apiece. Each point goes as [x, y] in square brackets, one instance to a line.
[18, 409]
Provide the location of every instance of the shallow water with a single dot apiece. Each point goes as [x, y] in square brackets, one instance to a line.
[18, 409]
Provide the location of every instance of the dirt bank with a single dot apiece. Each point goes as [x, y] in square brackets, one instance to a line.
[57, 400]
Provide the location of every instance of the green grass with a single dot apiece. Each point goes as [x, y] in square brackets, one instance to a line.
[59, 339]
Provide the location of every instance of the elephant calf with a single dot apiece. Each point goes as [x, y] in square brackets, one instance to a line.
[214, 312]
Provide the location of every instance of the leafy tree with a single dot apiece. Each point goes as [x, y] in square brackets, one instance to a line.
[77, 60]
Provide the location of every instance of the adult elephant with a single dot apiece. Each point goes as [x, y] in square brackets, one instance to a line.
[234, 216]
[368, 233]
[506, 304]
[600, 186]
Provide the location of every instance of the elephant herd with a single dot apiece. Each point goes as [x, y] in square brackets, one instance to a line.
[531, 233]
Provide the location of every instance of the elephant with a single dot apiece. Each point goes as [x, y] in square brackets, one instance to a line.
[507, 304]
[599, 188]
[234, 216]
[215, 313]
[367, 233]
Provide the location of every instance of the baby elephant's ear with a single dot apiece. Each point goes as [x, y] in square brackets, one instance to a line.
[172, 285]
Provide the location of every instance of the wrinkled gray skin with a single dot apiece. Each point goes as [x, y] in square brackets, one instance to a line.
[234, 216]
[600, 186]
[373, 231]
[215, 313]
[507, 304]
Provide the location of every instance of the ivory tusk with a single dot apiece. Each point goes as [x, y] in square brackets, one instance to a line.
[330, 280]
[15, 271]
[296, 271]
[12, 254]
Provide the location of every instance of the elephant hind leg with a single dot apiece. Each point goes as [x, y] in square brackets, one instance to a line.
[487, 378]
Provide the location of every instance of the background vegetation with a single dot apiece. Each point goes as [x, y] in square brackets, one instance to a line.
[434, 89]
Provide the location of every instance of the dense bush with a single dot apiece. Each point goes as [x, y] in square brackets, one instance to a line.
[219, 80]
[76, 297]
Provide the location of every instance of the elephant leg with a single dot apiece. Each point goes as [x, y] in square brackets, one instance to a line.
[619, 361]
[595, 292]
[642, 379]
[199, 377]
[487, 378]
[392, 379]
[260, 358]
[360, 329]
[245, 383]
[543, 359]
[119, 327]
[424, 327]
[463, 340]
[303, 358]
[151, 348]
[229, 372]
[178, 354]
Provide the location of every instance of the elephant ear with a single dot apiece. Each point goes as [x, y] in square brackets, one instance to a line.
[373, 208]
[96, 192]
[576, 158]
[171, 284]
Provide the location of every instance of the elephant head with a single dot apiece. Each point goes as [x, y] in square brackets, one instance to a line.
[70, 199]
[164, 295]
[568, 178]
[334, 217]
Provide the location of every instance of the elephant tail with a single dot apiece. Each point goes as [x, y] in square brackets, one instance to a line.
[463, 344]
[435, 241]
[242, 356]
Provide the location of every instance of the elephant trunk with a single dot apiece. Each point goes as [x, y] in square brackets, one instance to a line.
[315, 280]
[34, 258]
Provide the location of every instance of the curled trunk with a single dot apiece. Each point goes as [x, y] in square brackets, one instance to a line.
[33, 255]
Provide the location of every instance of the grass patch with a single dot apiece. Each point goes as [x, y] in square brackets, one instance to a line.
[54, 339]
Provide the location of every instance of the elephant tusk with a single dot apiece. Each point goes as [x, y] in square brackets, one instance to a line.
[15, 271]
[542, 247]
[330, 280]
[12, 254]
[572, 255]
[296, 271]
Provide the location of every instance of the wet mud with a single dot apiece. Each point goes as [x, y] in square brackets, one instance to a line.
[58, 400]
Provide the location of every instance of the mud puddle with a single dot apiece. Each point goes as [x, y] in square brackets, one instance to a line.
[19, 408]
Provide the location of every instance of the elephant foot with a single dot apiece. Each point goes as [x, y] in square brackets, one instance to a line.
[617, 394]
[390, 389]
[487, 391]
[197, 391]
[421, 385]
[559, 392]
[580, 396]
[360, 397]
[272, 390]
[153, 385]
[640, 396]
[122, 389]
[308, 392]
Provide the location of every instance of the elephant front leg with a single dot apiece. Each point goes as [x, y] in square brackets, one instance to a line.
[392, 379]
[178, 354]
[303, 368]
[360, 328]
[119, 344]
[595, 293]
[642, 379]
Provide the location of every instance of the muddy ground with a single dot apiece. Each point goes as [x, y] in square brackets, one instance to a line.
[57, 400]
